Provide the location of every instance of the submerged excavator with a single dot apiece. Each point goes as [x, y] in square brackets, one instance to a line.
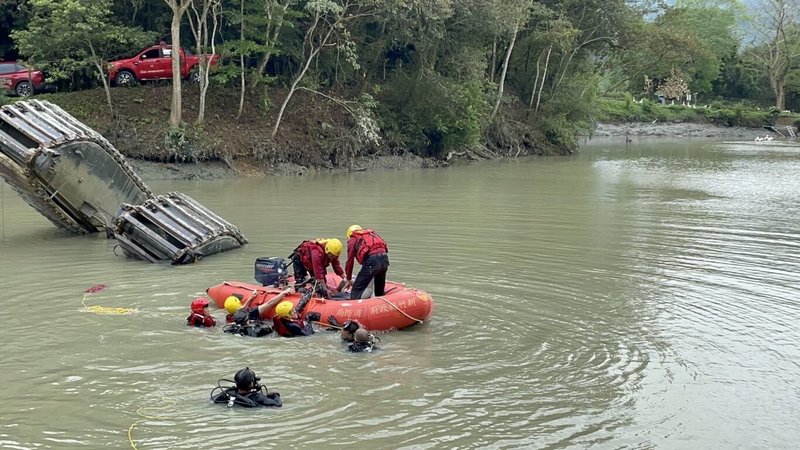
[76, 179]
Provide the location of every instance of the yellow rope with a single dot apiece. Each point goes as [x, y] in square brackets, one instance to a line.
[140, 411]
[401, 311]
[97, 309]
[326, 325]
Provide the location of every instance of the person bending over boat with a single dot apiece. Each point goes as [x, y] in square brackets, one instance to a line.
[370, 250]
[200, 317]
[247, 321]
[363, 341]
[246, 392]
[316, 255]
[287, 323]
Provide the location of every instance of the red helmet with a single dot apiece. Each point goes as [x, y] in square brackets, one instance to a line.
[198, 304]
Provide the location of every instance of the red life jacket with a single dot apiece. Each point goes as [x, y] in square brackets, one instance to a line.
[199, 320]
[279, 326]
[368, 243]
[304, 252]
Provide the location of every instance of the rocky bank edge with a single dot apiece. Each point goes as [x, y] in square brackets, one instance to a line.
[151, 171]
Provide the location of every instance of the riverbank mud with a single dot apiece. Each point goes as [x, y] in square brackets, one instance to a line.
[151, 171]
[675, 130]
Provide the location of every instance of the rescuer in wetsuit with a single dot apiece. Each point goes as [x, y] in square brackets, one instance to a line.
[247, 392]
[363, 341]
[247, 321]
[287, 323]
[200, 317]
[357, 335]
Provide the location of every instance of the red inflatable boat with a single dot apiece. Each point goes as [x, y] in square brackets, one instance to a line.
[401, 307]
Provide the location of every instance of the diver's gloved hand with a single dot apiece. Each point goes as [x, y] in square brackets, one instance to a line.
[313, 317]
[332, 320]
[322, 289]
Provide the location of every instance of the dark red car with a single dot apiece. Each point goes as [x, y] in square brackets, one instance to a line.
[155, 63]
[17, 79]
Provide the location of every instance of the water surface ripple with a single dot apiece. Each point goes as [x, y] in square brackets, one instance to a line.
[642, 296]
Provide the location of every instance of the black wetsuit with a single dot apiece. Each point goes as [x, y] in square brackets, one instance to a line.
[247, 322]
[368, 346]
[253, 399]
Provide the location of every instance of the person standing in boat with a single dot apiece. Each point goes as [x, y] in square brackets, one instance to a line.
[316, 255]
[287, 323]
[200, 317]
[247, 392]
[245, 320]
[371, 251]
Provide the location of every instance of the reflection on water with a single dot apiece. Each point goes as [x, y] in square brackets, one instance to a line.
[639, 296]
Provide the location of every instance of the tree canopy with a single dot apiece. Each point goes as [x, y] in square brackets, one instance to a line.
[434, 75]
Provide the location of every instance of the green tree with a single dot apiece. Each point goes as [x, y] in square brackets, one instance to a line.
[777, 25]
[13, 15]
[79, 33]
[328, 20]
[259, 24]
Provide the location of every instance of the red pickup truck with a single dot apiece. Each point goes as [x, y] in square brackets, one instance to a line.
[155, 63]
[14, 78]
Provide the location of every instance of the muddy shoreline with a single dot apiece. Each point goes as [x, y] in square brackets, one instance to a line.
[675, 130]
[152, 171]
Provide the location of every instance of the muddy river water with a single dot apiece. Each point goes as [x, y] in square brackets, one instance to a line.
[639, 296]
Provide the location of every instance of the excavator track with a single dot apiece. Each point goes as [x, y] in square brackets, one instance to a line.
[74, 177]
[21, 183]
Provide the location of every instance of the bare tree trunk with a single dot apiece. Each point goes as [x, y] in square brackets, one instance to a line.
[311, 56]
[242, 89]
[502, 81]
[544, 76]
[276, 31]
[494, 60]
[201, 35]
[176, 110]
[315, 45]
[780, 95]
[98, 63]
[536, 80]
[206, 63]
[200, 32]
[178, 9]
[107, 88]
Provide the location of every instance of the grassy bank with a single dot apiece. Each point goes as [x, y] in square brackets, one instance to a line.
[316, 131]
[718, 113]
[140, 129]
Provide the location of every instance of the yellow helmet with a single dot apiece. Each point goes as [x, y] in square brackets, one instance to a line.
[352, 229]
[232, 304]
[284, 309]
[333, 246]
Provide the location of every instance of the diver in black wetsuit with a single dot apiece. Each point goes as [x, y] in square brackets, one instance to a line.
[247, 392]
[363, 341]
